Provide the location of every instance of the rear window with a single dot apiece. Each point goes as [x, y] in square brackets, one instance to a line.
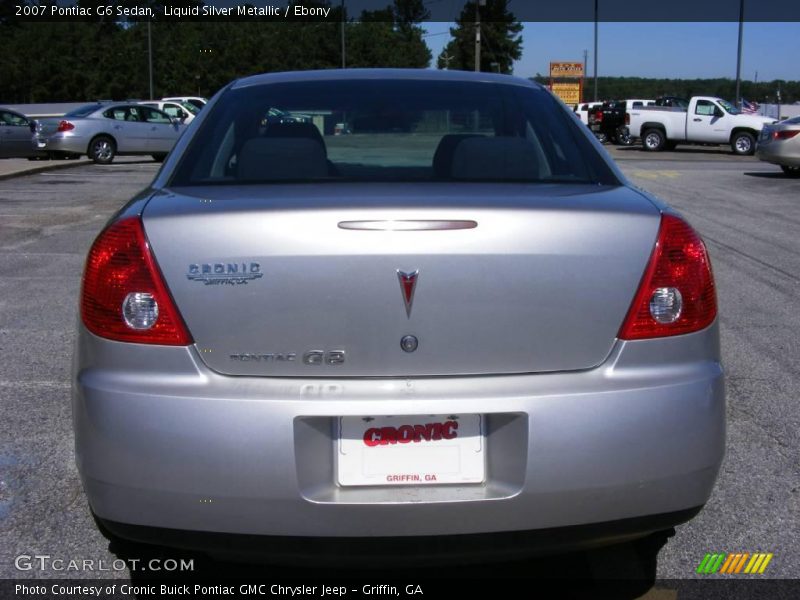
[83, 111]
[389, 130]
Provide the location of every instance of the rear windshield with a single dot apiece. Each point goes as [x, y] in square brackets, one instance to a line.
[389, 130]
[83, 110]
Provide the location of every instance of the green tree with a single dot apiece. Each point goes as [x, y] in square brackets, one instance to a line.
[501, 42]
[389, 37]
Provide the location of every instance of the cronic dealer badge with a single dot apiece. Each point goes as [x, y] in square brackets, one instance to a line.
[224, 273]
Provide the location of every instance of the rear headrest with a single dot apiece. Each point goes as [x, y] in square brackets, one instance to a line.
[507, 158]
[443, 157]
[295, 130]
[279, 158]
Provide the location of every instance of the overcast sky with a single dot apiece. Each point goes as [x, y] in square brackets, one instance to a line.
[672, 50]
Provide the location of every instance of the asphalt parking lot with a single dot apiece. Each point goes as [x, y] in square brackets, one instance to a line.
[747, 211]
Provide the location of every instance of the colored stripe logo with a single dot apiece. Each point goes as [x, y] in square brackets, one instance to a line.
[734, 563]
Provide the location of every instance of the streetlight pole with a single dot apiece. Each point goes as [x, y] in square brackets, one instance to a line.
[595, 50]
[477, 35]
[344, 49]
[739, 56]
[150, 56]
[583, 75]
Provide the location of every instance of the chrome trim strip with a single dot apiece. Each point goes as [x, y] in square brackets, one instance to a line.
[407, 225]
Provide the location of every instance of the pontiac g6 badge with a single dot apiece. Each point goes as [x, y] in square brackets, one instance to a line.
[408, 283]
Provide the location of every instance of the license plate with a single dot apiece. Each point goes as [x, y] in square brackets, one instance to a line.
[411, 450]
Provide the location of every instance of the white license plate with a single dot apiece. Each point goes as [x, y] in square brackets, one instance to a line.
[411, 450]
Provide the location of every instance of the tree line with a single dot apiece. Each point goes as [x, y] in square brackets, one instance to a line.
[102, 59]
[105, 59]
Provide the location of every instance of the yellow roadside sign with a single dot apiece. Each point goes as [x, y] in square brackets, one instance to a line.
[570, 93]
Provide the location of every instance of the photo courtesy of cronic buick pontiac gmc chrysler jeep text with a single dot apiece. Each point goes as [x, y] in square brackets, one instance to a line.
[430, 305]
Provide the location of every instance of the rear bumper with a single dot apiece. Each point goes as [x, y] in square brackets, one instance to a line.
[771, 153]
[161, 441]
[61, 142]
[403, 551]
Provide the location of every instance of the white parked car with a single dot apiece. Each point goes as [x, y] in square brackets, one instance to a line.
[182, 111]
[197, 101]
[707, 120]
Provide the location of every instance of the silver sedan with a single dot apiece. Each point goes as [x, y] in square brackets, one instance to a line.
[103, 131]
[15, 135]
[458, 326]
[780, 144]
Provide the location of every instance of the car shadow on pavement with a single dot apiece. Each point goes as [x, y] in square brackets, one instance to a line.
[624, 571]
[769, 175]
[688, 150]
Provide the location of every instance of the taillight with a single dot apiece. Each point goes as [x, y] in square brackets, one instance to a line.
[65, 126]
[599, 116]
[676, 294]
[627, 118]
[123, 296]
[784, 135]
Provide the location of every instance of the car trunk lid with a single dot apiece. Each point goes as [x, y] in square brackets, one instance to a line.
[276, 280]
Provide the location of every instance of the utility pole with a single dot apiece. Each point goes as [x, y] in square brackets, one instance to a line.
[739, 56]
[344, 49]
[150, 56]
[478, 34]
[595, 50]
[583, 89]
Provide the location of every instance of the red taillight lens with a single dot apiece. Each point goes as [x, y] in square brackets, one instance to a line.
[784, 135]
[676, 294]
[65, 126]
[124, 297]
[599, 116]
[627, 118]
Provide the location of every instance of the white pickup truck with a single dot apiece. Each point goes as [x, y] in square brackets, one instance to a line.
[707, 120]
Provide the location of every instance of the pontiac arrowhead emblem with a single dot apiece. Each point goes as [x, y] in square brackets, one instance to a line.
[408, 283]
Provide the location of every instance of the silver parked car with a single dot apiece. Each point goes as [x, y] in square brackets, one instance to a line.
[103, 131]
[780, 144]
[458, 320]
[15, 135]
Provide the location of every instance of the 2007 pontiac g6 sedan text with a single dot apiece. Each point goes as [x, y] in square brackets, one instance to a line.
[432, 306]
